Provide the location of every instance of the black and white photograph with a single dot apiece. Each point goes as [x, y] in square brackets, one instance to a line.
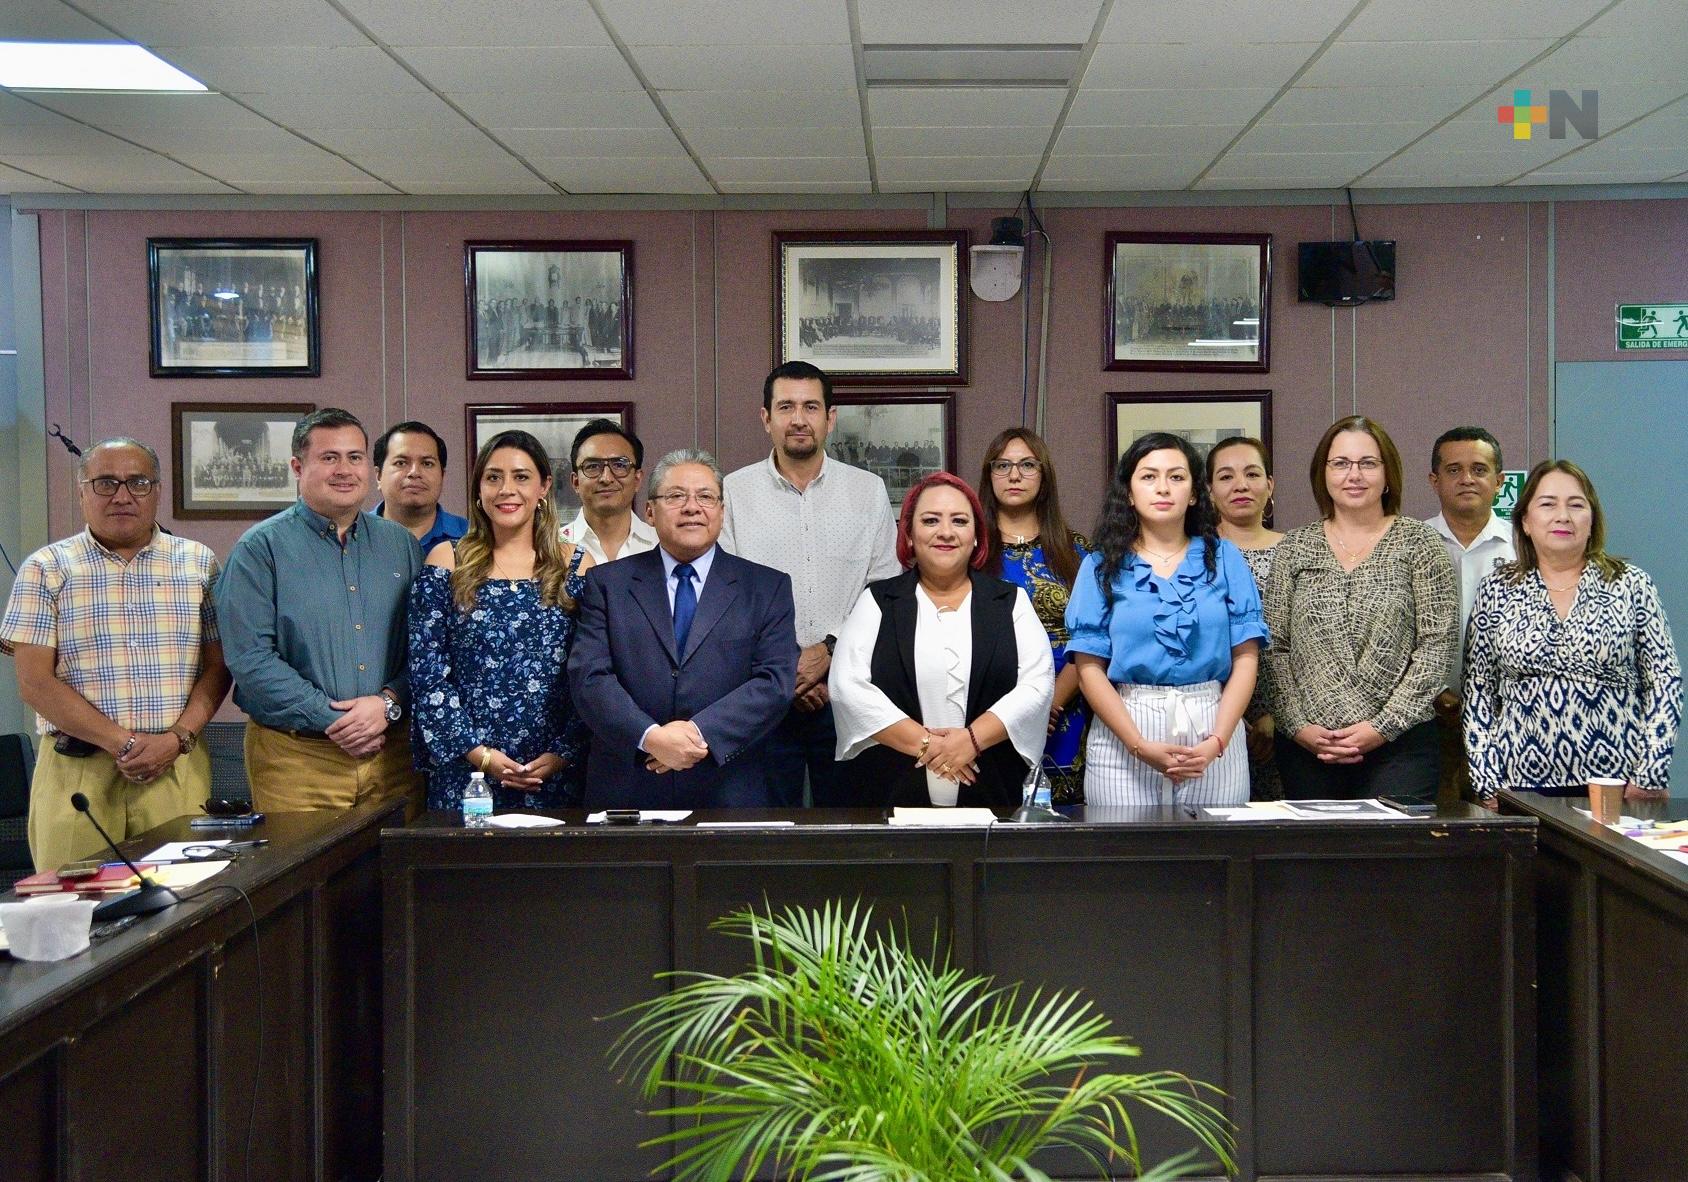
[555, 425]
[1191, 302]
[230, 459]
[1203, 417]
[883, 308]
[900, 438]
[233, 307]
[549, 309]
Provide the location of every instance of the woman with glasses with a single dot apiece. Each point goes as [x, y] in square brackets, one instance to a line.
[1239, 480]
[1364, 610]
[1167, 631]
[491, 621]
[1031, 547]
[1570, 669]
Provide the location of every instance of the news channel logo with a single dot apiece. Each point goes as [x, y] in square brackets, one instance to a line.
[1524, 115]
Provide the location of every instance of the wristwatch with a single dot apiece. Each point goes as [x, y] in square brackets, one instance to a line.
[831, 643]
[394, 710]
[186, 740]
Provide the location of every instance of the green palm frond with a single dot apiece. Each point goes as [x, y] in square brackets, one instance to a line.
[840, 1056]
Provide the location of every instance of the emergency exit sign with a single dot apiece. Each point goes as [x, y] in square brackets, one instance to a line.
[1652, 326]
[1506, 497]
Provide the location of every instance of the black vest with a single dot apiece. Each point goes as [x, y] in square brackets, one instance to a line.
[888, 776]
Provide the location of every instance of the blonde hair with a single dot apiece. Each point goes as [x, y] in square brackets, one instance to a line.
[474, 552]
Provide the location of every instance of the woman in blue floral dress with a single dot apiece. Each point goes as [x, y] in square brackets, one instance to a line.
[1031, 546]
[490, 626]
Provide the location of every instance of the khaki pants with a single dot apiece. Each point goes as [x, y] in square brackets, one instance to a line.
[58, 834]
[292, 773]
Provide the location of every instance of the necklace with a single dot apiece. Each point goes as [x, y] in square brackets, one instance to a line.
[1356, 556]
[1144, 550]
[1571, 586]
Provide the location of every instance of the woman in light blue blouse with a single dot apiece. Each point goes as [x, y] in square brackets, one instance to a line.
[1166, 630]
[490, 627]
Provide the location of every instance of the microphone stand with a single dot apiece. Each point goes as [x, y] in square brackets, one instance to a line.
[149, 897]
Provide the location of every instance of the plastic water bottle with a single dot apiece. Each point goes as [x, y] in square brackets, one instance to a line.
[1042, 792]
[477, 802]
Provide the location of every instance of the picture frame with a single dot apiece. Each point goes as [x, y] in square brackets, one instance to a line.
[549, 309]
[1193, 303]
[233, 308]
[876, 308]
[1203, 417]
[899, 437]
[554, 424]
[229, 461]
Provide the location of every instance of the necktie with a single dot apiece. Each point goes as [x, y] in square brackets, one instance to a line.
[685, 605]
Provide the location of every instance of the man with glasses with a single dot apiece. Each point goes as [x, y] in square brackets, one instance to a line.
[606, 463]
[117, 652]
[683, 657]
[830, 527]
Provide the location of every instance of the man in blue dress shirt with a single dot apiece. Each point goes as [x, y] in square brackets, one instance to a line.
[312, 612]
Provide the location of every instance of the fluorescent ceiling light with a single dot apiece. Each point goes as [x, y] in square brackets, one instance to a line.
[61, 65]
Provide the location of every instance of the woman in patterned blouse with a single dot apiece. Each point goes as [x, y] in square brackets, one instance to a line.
[1239, 479]
[1363, 612]
[1570, 669]
[490, 626]
[1031, 546]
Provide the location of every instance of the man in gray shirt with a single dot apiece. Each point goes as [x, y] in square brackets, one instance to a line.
[312, 612]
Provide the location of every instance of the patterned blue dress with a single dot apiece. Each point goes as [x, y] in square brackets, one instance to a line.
[1063, 753]
[495, 675]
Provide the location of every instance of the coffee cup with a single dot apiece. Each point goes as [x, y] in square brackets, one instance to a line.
[1606, 799]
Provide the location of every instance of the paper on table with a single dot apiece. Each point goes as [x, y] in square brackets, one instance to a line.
[667, 816]
[1259, 811]
[942, 816]
[521, 821]
[1341, 810]
[745, 824]
[186, 874]
[171, 851]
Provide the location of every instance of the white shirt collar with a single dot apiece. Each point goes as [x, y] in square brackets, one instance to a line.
[1495, 529]
[779, 477]
[700, 565]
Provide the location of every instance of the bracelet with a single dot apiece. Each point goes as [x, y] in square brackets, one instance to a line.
[486, 757]
[129, 746]
[1216, 739]
[976, 752]
[925, 742]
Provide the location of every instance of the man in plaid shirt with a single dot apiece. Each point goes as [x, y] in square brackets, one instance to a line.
[115, 641]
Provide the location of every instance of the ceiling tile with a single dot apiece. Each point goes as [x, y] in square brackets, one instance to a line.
[527, 108]
[1368, 104]
[1007, 184]
[1167, 108]
[964, 141]
[332, 188]
[249, 141]
[1329, 137]
[524, 185]
[891, 65]
[615, 174]
[14, 180]
[1190, 140]
[1171, 67]
[359, 69]
[464, 143]
[1124, 172]
[1618, 104]
[742, 108]
[1336, 167]
[406, 169]
[795, 186]
[302, 168]
[61, 137]
[48, 20]
[1310, 181]
[784, 141]
[963, 106]
[591, 141]
[508, 22]
[560, 69]
[1603, 61]
[778, 168]
[193, 22]
[307, 111]
[1422, 63]
[1431, 20]
[1215, 22]
[713, 22]
[763, 66]
[939, 170]
[125, 171]
[977, 22]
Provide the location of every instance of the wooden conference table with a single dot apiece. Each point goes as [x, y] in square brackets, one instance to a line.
[1612, 924]
[1362, 991]
[136, 1059]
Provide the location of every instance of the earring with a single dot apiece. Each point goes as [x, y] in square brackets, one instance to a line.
[1271, 506]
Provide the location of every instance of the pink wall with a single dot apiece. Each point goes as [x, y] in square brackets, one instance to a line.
[1466, 341]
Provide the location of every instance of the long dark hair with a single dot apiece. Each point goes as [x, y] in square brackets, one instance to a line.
[1118, 528]
[1052, 532]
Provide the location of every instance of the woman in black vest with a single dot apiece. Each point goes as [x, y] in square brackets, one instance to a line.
[941, 679]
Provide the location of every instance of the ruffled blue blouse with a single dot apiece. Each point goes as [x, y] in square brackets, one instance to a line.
[1175, 631]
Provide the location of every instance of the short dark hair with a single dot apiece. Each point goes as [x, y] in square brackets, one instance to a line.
[800, 371]
[606, 427]
[1464, 435]
[328, 418]
[408, 427]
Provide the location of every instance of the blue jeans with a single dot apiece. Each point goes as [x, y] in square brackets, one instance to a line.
[804, 741]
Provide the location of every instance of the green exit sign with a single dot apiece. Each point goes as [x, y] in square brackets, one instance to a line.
[1652, 326]
[1506, 497]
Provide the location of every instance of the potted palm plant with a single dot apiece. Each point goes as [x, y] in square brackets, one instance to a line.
[841, 1055]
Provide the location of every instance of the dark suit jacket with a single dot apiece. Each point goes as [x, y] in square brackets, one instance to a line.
[890, 777]
[735, 681]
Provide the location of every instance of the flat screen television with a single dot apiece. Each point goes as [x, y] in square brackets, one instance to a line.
[1343, 274]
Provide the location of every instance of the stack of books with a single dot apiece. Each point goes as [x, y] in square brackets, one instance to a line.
[111, 879]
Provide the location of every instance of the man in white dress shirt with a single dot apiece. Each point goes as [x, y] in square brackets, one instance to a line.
[606, 464]
[830, 527]
[1465, 473]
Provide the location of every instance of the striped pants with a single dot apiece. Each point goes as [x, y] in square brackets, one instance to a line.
[1178, 714]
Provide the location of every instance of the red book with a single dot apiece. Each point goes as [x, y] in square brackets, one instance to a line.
[112, 878]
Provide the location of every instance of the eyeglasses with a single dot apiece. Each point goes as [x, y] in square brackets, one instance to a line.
[620, 467]
[676, 498]
[1368, 465]
[107, 486]
[1027, 467]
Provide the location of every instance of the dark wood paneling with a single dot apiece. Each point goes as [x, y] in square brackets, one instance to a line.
[29, 1122]
[349, 1001]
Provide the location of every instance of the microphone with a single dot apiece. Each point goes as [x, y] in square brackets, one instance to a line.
[150, 896]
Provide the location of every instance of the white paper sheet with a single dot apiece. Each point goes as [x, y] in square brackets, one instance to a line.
[171, 851]
[947, 818]
[521, 821]
[661, 816]
[745, 824]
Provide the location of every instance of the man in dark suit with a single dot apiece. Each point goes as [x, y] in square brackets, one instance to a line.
[684, 657]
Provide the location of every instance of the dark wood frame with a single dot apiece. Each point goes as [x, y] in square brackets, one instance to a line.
[313, 338]
[179, 457]
[1168, 397]
[945, 398]
[1117, 237]
[622, 246]
[559, 464]
[956, 239]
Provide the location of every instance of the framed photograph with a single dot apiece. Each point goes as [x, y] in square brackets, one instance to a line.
[1192, 302]
[229, 460]
[233, 307]
[876, 308]
[555, 425]
[544, 309]
[1203, 417]
[898, 437]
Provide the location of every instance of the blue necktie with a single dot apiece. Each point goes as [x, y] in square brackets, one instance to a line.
[685, 605]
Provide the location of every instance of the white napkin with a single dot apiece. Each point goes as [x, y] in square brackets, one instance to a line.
[50, 927]
[521, 821]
